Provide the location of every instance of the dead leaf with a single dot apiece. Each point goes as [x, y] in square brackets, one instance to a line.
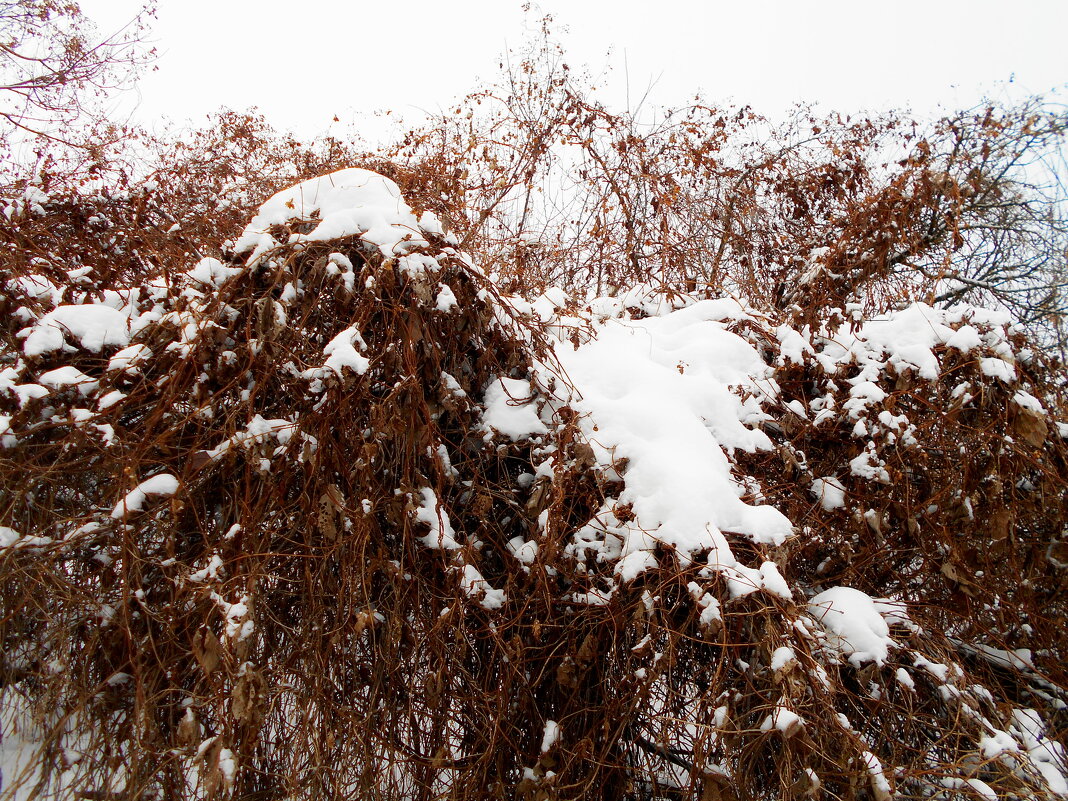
[249, 697]
[588, 649]
[1001, 524]
[188, 729]
[584, 457]
[207, 650]
[567, 674]
[1031, 427]
[329, 506]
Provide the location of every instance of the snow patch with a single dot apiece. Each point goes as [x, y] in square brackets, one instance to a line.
[830, 492]
[351, 202]
[853, 623]
[163, 484]
[674, 396]
[94, 327]
[510, 410]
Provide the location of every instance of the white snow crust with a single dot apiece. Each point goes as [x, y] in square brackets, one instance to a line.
[830, 492]
[341, 353]
[665, 394]
[853, 623]
[352, 202]
[94, 326]
[510, 409]
[163, 484]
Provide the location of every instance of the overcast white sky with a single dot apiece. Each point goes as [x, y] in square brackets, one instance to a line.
[304, 62]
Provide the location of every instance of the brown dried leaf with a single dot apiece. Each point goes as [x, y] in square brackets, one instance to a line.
[589, 649]
[1001, 524]
[1031, 427]
[326, 517]
[188, 729]
[207, 650]
[567, 674]
[249, 697]
[584, 456]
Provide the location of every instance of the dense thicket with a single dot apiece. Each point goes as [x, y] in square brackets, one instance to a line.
[264, 532]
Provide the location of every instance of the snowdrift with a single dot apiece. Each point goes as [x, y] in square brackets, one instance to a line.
[332, 517]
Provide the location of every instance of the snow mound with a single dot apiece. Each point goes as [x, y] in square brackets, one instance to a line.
[509, 409]
[93, 326]
[830, 492]
[673, 397]
[352, 202]
[852, 620]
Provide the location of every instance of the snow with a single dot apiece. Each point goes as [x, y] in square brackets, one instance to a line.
[417, 266]
[904, 679]
[964, 339]
[110, 399]
[351, 202]
[880, 786]
[238, 624]
[32, 198]
[783, 719]
[998, 743]
[1026, 400]
[8, 537]
[258, 430]
[163, 484]
[125, 360]
[68, 376]
[431, 512]
[212, 272]
[209, 572]
[341, 265]
[93, 326]
[783, 657]
[525, 551]
[707, 602]
[907, 337]
[510, 410]
[451, 384]
[28, 392]
[998, 368]
[446, 299]
[742, 580]
[37, 287]
[663, 393]
[1020, 659]
[984, 790]
[550, 736]
[830, 492]
[341, 353]
[1047, 755]
[792, 345]
[906, 340]
[869, 466]
[853, 623]
[227, 765]
[937, 670]
[862, 395]
[476, 586]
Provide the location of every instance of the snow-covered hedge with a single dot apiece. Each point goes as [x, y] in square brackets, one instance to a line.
[334, 517]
